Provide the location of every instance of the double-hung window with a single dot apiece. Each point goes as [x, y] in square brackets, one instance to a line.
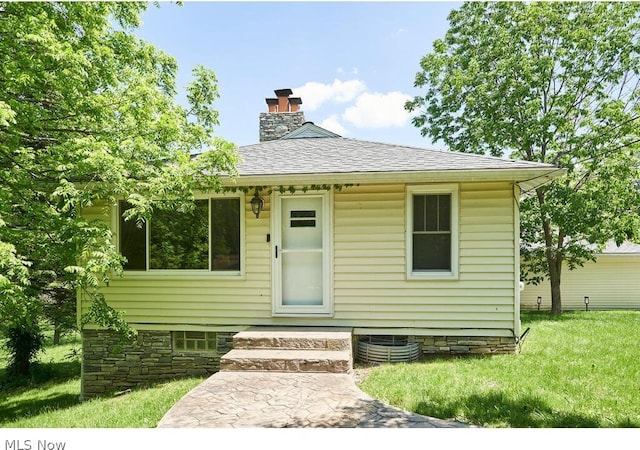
[205, 238]
[432, 231]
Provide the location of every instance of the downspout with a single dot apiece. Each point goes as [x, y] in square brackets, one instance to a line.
[516, 260]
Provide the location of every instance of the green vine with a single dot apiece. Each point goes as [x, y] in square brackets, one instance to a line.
[284, 189]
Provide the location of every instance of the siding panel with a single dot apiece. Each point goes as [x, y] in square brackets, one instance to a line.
[612, 282]
[370, 281]
[370, 286]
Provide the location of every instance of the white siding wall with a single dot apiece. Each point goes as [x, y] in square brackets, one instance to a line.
[370, 285]
[613, 282]
[371, 288]
[163, 300]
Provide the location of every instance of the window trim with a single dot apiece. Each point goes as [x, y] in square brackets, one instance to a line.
[188, 273]
[435, 189]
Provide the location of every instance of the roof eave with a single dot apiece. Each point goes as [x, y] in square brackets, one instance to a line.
[527, 179]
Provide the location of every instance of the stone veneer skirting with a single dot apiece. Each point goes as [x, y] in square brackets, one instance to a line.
[465, 345]
[109, 366]
[459, 345]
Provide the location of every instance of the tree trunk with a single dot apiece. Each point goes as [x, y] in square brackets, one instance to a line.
[554, 260]
[20, 344]
[56, 336]
[21, 365]
[555, 272]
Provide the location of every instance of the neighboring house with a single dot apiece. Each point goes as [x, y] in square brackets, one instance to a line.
[383, 239]
[611, 282]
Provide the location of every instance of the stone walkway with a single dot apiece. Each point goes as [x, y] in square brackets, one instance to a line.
[288, 400]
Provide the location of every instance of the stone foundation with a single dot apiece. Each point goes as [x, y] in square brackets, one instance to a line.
[465, 345]
[109, 366]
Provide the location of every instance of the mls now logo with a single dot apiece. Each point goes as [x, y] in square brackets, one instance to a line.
[27, 444]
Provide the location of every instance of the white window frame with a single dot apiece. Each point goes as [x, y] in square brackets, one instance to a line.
[436, 189]
[188, 273]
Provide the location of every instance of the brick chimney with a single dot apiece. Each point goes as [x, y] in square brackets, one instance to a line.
[283, 116]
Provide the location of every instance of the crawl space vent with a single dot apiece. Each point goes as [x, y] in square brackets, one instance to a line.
[380, 349]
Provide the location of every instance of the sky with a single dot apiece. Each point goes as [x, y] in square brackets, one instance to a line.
[352, 63]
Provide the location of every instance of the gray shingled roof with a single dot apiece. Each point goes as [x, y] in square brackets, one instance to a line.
[309, 130]
[624, 248]
[338, 155]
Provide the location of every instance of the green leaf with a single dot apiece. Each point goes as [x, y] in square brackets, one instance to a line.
[551, 83]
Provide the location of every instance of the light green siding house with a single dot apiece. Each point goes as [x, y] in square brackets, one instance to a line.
[379, 238]
[611, 282]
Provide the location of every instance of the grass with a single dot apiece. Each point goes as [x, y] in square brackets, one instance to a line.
[51, 397]
[581, 369]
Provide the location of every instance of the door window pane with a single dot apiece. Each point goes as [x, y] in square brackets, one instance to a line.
[302, 275]
[302, 223]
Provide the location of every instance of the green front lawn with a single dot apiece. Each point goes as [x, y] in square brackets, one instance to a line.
[578, 370]
[51, 399]
[581, 369]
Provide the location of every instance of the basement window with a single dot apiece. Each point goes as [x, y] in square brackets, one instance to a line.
[193, 341]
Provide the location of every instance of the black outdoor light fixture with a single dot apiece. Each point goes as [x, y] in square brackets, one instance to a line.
[256, 204]
[586, 303]
[539, 301]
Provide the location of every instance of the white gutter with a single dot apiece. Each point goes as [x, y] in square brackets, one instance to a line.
[526, 178]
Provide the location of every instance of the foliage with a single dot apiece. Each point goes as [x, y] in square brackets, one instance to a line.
[23, 344]
[60, 362]
[589, 380]
[578, 369]
[174, 246]
[59, 307]
[58, 405]
[88, 115]
[552, 83]
[51, 397]
[284, 189]
[20, 311]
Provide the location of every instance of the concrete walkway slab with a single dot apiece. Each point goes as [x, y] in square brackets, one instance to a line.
[288, 400]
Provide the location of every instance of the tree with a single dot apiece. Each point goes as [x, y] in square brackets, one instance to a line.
[553, 83]
[88, 115]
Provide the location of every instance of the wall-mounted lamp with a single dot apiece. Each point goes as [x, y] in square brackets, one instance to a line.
[256, 204]
[586, 303]
[539, 301]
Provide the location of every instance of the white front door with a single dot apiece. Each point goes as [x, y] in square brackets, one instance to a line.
[301, 252]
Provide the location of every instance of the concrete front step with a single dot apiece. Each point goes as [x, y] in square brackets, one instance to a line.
[295, 338]
[332, 361]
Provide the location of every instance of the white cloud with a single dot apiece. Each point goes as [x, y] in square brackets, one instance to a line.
[314, 94]
[375, 110]
[331, 123]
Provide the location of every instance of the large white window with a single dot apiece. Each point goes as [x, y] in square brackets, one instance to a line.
[432, 231]
[206, 238]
